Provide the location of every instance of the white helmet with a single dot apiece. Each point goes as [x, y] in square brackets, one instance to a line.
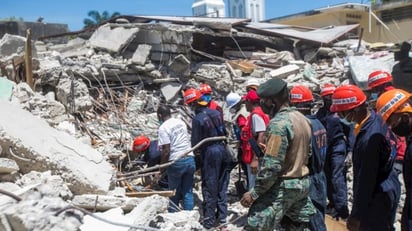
[252, 82]
[232, 99]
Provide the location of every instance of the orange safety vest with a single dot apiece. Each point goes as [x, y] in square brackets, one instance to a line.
[246, 134]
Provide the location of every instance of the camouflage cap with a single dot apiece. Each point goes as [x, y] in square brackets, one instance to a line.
[271, 88]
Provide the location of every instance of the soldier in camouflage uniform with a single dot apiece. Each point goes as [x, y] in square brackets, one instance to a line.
[282, 185]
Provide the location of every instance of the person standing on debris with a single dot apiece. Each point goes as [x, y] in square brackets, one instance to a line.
[252, 84]
[150, 153]
[378, 83]
[282, 184]
[301, 97]
[215, 175]
[206, 91]
[376, 187]
[253, 131]
[174, 142]
[338, 137]
[395, 107]
[402, 71]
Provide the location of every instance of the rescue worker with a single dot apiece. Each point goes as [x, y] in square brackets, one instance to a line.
[396, 110]
[215, 177]
[337, 137]
[378, 83]
[402, 71]
[206, 92]
[376, 187]
[282, 184]
[252, 84]
[174, 142]
[254, 128]
[150, 153]
[301, 97]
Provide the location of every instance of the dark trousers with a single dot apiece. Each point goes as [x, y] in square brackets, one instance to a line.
[337, 189]
[317, 193]
[215, 181]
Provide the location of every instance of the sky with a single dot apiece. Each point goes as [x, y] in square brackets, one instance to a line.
[73, 12]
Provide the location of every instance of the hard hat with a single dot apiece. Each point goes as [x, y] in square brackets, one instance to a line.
[378, 78]
[347, 97]
[191, 95]
[251, 96]
[253, 83]
[300, 94]
[232, 99]
[205, 89]
[327, 89]
[393, 101]
[141, 143]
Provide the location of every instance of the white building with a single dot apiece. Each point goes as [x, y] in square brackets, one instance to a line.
[253, 9]
[208, 8]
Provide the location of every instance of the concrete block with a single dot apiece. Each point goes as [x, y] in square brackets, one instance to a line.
[103, 202]
[285, 71]
[8, 166]
[141, 54]
[112, 39]
[170, 90]
[180, 64]
[10, 44]
[83, 168]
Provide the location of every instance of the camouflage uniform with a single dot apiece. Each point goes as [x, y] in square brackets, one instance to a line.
[282, 185]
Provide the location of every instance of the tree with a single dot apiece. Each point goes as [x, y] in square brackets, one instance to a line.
[97, 18]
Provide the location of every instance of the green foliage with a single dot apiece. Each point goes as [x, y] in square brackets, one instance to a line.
[12, 19]
[95, 18]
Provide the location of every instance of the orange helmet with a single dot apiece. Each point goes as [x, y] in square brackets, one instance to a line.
[205, 89]
[327, 89]
[191, 95]
[393, 101]
[300, 94]
[347, 97]
[141, 143]
[378, 78]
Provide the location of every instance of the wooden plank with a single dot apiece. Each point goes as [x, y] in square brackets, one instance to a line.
[334, 225]
[149, 193]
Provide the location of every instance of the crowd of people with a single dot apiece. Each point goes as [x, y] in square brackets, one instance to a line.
[294, 155]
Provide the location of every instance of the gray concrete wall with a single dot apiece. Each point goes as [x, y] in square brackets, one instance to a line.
[38, 29]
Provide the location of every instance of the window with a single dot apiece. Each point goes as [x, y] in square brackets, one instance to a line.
[252, 12]
[234, 12]
[399, 13]
[257, 13]
[241, 14]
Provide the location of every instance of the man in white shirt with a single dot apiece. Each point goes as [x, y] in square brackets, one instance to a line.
[174, 142]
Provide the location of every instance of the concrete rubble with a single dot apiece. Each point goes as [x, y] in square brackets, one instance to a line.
[92, 95]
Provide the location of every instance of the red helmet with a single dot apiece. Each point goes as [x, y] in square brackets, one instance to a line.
[141, 143]
[300, 94]
[378, 78]
[205, 89]
[191, 95]
[347, 97]
[327, 89]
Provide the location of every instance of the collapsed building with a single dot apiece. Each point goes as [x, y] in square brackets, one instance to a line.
[62, 137]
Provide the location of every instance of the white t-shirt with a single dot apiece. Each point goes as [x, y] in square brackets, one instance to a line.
[174, 132]
[258, 124]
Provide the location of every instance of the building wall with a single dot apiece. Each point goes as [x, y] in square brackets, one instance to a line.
[37, 29]
[253, 9]
[374, 31]
[209, 8]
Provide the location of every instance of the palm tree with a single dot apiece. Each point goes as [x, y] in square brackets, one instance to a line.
[97, 18]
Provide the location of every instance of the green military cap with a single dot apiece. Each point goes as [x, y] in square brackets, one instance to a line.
[271, 88]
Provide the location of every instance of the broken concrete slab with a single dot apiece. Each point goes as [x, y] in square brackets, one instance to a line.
[84, 169]
[8, 166]
[170, 90]
[103, 202]
[112, 39]
[11, 44]
[80, 98]
[141, 54]
[182, 220]
[180, 64]
[115, 214]
[285, 71]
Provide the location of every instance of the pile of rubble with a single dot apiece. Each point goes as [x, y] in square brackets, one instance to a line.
[95, 93]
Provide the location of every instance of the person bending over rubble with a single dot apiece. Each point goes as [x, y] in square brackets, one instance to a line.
[281, 191]
[214, 161]
[174, 142]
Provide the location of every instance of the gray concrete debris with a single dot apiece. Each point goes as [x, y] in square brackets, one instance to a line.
[170, 90]
[39, 215]
[49, 185]
[182, 220]
[180, 64]
[11, 44]
[112, 39]
[285, 71]
[141, 54]
[83, 168]
[103, 202]
[8, 166]
[74, 95]
[10, 187]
